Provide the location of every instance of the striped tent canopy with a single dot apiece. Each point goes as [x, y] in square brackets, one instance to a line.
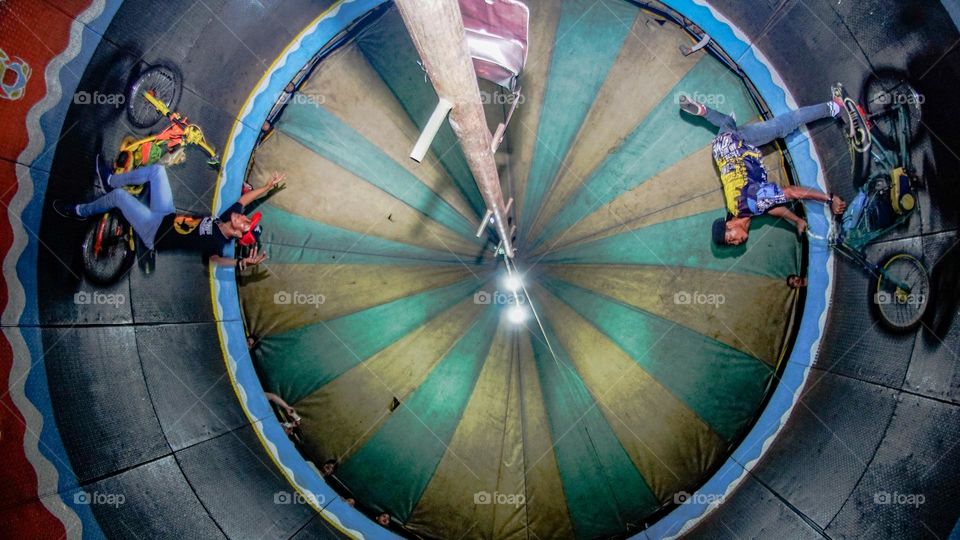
[653, 352]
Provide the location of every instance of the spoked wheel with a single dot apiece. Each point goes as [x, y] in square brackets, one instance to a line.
[902, 292]
[106, 250]
[164, 82]
[882, 94]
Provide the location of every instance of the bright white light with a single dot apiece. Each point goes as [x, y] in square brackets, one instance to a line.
[517, 314]
[513, 283]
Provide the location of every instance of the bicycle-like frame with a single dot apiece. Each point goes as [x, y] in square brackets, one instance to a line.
[885, 201]
[142, 152]
[891, 167]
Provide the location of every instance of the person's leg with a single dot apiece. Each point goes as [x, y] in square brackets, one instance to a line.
[760, 133]
[135, 177]
[161, 197]
[724, 122]
[143, 220]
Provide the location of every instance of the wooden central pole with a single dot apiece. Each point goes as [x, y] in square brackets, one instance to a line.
[436, 27]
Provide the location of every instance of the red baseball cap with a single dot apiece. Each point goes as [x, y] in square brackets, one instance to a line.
[250, 237]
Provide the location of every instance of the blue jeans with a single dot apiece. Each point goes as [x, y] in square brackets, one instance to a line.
[144, 219]
[760, 133]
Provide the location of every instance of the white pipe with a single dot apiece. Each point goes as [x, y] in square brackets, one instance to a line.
[430, 130]
[484, 221]
[687, 51]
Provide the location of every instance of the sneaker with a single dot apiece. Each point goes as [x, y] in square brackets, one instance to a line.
[68, 211]
[104, 172]
[837, 107]
[692, 107]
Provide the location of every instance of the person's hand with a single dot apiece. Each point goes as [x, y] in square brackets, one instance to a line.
[838, 205]
[254, 258]
[801, 225]
[276, 181]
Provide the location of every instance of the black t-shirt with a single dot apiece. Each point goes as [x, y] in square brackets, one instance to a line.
[195, 233]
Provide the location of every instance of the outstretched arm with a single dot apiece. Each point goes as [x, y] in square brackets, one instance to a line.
[837, 205]
[280, 402]
[252, 260]
[275, 181]
[222, 261]
[785, 213]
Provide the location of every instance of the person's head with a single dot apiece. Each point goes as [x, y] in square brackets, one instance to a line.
[795, 282]
[730, 231]
[328, 467]
[351, 501]
[384, 519]
[238, 224]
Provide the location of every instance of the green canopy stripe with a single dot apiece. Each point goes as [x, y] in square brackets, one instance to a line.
[419, 431]
[284, 254]
[721, 385]
[296, 363]
[772, 250]
[589, 37]
[319, 130]
[296, 239]
[604, 490]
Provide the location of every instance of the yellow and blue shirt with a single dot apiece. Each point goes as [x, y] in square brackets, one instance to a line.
[746, 190]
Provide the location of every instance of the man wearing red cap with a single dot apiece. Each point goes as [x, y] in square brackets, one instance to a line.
[160, 226]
